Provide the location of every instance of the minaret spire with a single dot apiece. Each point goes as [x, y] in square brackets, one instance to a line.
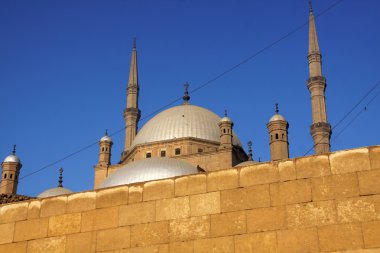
[60, 181]
[250, 151]
[320, 129]
[132, 112]
[186, 96]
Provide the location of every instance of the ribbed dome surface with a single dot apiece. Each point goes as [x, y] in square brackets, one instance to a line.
[54, 192]
[148, 169]
[182, 121]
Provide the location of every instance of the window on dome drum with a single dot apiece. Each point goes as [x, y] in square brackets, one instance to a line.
[276, 136]
[177, 151]
[200, 150]
[163, 153]
[148, 155]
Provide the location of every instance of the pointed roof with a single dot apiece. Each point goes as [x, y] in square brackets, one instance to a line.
[133, 78]
[313, 39]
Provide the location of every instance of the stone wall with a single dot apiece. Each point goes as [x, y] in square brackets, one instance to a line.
[325, 203]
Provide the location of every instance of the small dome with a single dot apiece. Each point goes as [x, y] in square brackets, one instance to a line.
[12, 159]
[277, 117]
[106, 138]
[54, 192]
[246, 163]
[226, 119]
[148, 169]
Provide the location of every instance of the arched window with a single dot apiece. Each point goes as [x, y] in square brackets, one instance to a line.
[148, 155]
[276, 136]
[102, 149]
[10, 176]
[5, 175]
[224, 130]
[283, 136]
[163, 153]
[200, 150]
[177, 151]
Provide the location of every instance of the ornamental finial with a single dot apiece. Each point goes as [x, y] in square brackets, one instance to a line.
[277, 108]
[225, 112]
[106, 133]
[250, 151]
[186, 96]
[60, 181]
[310, 6]
[14, 149]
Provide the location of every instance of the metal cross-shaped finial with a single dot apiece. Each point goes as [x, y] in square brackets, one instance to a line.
[186, 96]
[310, 6]
[277, 108]
[60, 181]
[14, 149]
[250, 151]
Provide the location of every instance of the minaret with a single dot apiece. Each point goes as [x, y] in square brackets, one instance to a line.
[132, 112]
[105, 146]
[11, 170]
[320, 129]
[278, 137]
[225, 125]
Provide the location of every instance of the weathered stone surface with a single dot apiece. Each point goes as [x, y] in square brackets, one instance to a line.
[51, 245]
[287, 170]
[300, 240]
[245, 198]
[371, 234]
[181, 247]
[221, 180]
[53, 206]
[137, 213]
[349, 161]
[214, 245]
[369, 182]
[358, 209]
[313, 166]
[374, 156]
[64, 224]
[311, 214]
[189, 229]
[228, 224]
[149, 234]
[6, 232]
[207, 203]
[265, 219]
[112, 197]
[340, 237]
[81, 242]
[17, 247]
[135, 193]
[13, 212]
[34, 208]
[162, 189]
[164, 248]
[335, 186]
[190, 185]
[100, 219]
[80, 202]
[174, 208]
[113, 239]
[259, 174]
[31, 229]
[259, 242]
[290, 192]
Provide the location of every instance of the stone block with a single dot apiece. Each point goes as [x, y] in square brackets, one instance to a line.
[221, 180]
[6, 232]
[340, 237]
[19, 247]
[348, 161]
[80, 202]
[313, 166]
[181, 247]
[371, 234]
[228, 224]
[245, 198]
[374, 157]
[64, 224]
[359, 209]
[112, 197]
[369, 182]
[190, 185]
[207, 203]
[164, 248]
[189, 229]
[34, 209]
[81, 242]
[13, 212]
[259, 174]
[53, 206]
[162, 189]
[215, 245]
[259, 242]
[300, 240]
[290, 192]
[149, 234]
[113, 239]
[31, 229]
[174, 208]
[335, 186]
[100, 219]
[311, 214]
[265, 219]
[287, 170]
[51, 245]
[137, 213]
[135, 193]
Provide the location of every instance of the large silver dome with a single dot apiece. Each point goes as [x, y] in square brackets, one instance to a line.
[148, 169]
[182, 121]
[54, 192]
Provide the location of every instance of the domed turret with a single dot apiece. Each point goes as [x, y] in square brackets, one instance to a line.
[11, 170]
[278, 136]
[225, 126]
[105, 146]
[56, 191]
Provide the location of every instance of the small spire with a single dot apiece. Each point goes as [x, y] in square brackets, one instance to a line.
[186, 96]
[60, 181]
[134, 43]
[106, 133]
[225, 112]
[310, 6]
[250, 151]
[276, 108]
[14, 149]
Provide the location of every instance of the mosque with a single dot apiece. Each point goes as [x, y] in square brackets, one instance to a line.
[185, 139]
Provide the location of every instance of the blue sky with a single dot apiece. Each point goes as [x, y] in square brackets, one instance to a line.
[64, 68]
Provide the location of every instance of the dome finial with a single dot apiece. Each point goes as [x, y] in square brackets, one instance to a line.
[60, 181]
[134, 43]
[310, 6]
[225, 112]
[186, 96]
[14, 149]
[250, 151]
[106, 133]
[276, 108]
